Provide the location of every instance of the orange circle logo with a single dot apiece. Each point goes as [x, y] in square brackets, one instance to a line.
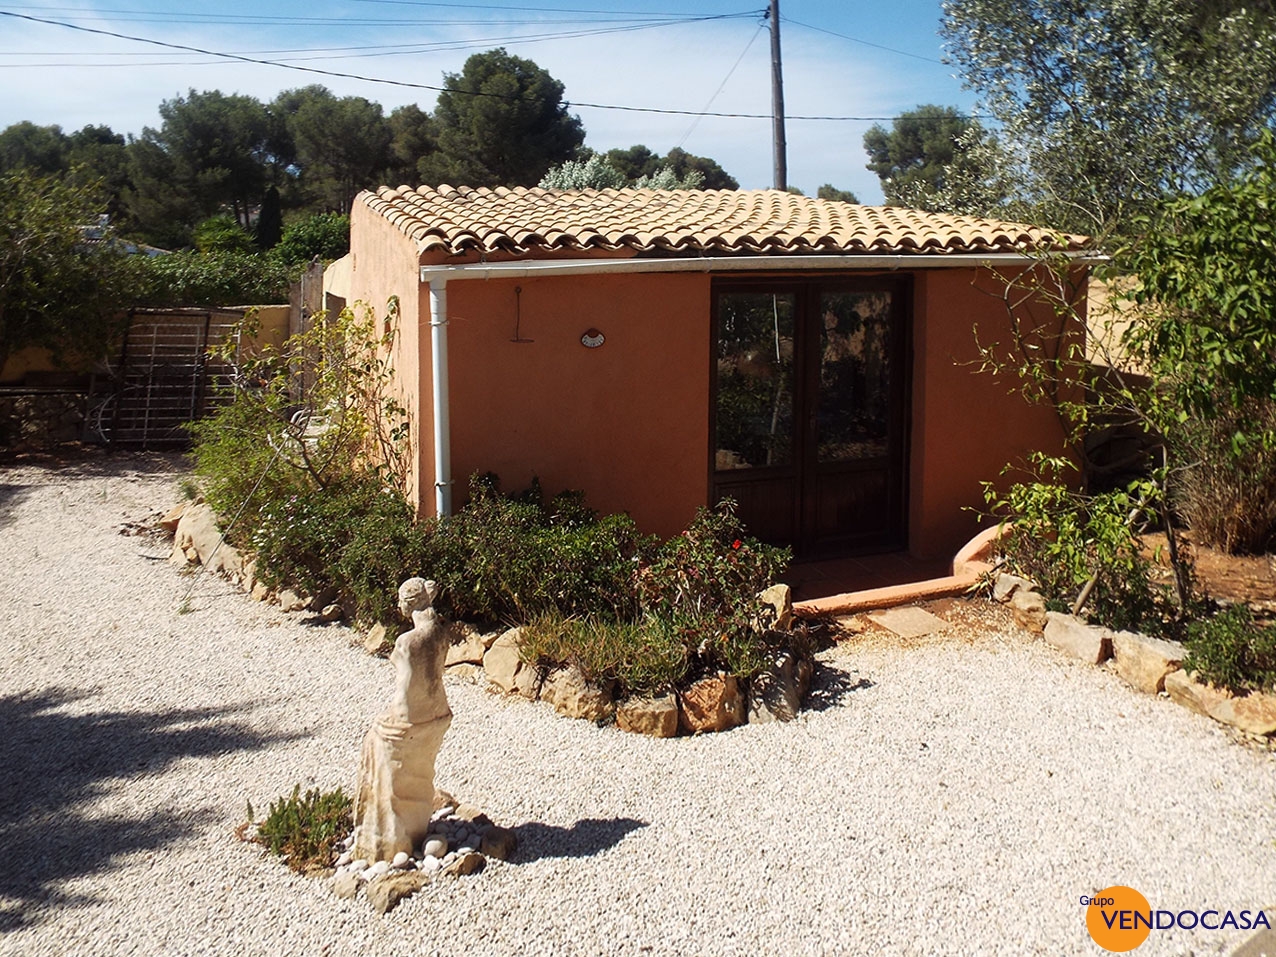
[1119, 918]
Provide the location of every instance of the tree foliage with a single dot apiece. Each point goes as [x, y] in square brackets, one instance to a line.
[1207, 335]
[830, 192]
[216, 149]
[57, 290]
[272, 165]
[323, 235]
[413, 140]
[636, 167]
[638, 161]
[1105, 106]
[926, 155]
[221, 278]
[343, 144]
[595, 172]
[501, 122]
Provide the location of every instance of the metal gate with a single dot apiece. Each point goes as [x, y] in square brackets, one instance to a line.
[163, 377]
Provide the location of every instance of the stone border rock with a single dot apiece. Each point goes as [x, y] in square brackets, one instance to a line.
[713, 703]
[1150, 665]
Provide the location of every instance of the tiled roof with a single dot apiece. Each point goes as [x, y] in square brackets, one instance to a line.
[522, 222]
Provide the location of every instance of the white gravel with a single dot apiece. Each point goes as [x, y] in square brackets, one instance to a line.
[953, 798]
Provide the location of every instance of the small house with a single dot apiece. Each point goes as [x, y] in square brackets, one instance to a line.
[816, 361]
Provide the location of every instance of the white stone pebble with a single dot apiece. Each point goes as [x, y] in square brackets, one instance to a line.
[435, 847]
[358, 865]
[400, 861]
[379, 868]
[430, 864]
[345, 858]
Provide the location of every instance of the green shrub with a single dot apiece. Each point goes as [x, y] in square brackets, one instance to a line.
[325, 235]
[353, 536]
[1233, 651]
[1227, 492]
[513, 559]
[305, 829]
[711, 568]
[313, 483]
[238, 470]
[644, 657]
[208, 279]
[695, 612]
[223, 234]
[1062, 539]
[702, 585]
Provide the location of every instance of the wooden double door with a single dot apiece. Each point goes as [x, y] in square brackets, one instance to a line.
[809, 426]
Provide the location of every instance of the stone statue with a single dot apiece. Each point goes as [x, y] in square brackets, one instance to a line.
[395, 798]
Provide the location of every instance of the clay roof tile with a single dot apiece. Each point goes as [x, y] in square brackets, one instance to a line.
[523, 221]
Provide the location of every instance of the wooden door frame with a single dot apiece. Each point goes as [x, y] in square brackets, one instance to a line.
[806, 288]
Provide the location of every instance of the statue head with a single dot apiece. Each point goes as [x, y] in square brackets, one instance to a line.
[416, 594]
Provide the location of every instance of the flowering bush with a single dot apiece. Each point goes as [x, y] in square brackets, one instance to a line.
[695, 612]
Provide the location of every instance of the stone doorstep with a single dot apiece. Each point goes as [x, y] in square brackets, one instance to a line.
[909, 622]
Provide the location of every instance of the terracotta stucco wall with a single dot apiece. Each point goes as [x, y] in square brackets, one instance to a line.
[384, 263]
[967, 424]
[627, 423]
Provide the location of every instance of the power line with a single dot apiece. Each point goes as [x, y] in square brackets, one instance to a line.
[722, 86]
[867, 43]
[188, 19]
[403, 49]
[523, 9]
[74, 14]
[575, 104]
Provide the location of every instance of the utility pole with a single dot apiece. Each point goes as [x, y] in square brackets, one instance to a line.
[777, 101]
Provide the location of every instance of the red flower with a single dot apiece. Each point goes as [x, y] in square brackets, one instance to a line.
[736, 544]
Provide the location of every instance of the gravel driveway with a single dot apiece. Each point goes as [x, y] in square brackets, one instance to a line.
[952, 798]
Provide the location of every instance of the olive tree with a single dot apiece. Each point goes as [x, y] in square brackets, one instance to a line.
[1105, 106]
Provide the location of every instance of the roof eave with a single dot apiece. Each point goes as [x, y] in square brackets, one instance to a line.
[763, 263]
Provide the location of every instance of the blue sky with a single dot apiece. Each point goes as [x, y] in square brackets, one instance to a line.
[845, 58]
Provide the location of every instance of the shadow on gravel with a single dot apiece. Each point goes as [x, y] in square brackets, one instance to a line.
[78, 461]
[11, 497]
[830, 687]
[585, 838]
[57, 763]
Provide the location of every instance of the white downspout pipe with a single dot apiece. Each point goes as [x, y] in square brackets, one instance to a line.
[442, 416]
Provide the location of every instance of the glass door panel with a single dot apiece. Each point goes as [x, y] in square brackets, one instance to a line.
[854, 404]
[755, 377]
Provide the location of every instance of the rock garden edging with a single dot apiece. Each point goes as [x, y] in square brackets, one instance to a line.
[1150, 665]
[714, 703]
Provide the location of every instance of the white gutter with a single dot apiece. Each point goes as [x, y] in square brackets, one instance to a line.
[442, 413]
[580, 267]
